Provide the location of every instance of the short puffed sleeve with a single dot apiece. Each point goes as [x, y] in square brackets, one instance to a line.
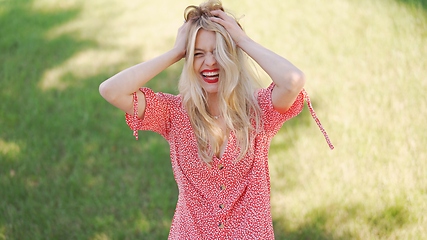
[156, 116]
[272, 119]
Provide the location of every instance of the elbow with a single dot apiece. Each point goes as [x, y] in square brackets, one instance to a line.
[106, 91]
[301, 81]
[103, 89]
[285, 94]
[296, 81]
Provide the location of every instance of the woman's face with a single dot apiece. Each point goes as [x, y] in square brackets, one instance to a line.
[204, 61]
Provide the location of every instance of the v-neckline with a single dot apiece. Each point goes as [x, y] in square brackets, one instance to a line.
[225, 147]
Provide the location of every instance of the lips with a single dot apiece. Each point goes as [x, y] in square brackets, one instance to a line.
[210, 76]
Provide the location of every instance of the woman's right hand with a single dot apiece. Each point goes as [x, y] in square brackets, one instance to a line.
[181, 39]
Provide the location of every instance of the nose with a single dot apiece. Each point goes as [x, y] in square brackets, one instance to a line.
[210, 59]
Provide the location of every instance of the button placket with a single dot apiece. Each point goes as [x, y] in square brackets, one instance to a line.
[222, 187]
[221, 225]
[220, 166]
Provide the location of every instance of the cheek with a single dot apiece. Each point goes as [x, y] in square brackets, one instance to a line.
[197, 64]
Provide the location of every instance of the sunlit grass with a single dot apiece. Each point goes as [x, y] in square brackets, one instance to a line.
[370, 67]
[70, 168]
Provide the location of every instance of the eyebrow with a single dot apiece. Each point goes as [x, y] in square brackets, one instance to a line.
[199, 49]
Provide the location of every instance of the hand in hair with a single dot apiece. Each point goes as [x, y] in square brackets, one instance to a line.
[181, 39]
[230, 24]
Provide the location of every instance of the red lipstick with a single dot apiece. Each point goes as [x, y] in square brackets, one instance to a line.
[210, 75]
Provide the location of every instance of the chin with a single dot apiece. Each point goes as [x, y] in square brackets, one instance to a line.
[211, 89]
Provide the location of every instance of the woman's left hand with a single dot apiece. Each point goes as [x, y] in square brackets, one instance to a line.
[230, 24]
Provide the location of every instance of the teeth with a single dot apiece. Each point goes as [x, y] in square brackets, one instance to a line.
[210, 74]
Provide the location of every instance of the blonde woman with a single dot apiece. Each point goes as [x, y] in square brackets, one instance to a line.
[219, 127]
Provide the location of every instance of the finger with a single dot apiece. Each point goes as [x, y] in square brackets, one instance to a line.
[218, 13]
[220, 21]
[216, 19]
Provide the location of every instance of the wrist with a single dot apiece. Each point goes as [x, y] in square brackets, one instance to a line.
[243, 41]
[177, 54]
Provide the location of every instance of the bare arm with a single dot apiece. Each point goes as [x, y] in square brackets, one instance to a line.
[118, 89]
[289, 80]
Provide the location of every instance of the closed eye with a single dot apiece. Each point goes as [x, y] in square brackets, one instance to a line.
[198, 54]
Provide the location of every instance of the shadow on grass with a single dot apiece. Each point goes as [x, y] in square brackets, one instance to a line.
[415, 3]
[315, 226]
[388, 219]
[320, 223]
[75, 170]
[417, 6]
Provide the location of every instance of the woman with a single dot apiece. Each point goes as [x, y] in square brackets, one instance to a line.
[220, 126]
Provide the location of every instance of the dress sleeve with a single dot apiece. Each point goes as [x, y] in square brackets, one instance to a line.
[156, 116]
[272, 119]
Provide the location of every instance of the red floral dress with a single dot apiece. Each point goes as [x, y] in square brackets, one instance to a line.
[229, 200]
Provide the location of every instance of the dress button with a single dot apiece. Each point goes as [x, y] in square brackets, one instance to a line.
[222, 206]
[222, 187]
[221, 225]
[220, 166]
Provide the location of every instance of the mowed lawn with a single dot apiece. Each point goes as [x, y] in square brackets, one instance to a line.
[71, 169]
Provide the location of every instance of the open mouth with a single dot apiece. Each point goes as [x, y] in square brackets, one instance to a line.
[210, 76]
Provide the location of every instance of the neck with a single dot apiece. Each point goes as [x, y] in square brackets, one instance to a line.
[212, 104]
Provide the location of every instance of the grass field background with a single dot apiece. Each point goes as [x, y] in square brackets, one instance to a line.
[71, 169]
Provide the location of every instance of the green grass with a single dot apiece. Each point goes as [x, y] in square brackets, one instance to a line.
[71, 169]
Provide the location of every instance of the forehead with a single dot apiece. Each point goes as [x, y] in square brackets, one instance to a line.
[205, 40]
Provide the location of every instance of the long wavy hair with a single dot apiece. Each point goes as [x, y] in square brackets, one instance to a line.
[236, 91]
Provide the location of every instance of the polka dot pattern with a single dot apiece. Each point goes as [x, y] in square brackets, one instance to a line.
[229, 199]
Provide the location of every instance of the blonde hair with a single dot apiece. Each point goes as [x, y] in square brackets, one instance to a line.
[236, 91]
